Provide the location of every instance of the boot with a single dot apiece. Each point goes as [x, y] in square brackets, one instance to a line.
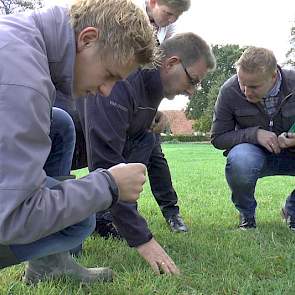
[56, 265]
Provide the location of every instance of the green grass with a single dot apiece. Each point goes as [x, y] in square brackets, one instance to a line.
[214, 257]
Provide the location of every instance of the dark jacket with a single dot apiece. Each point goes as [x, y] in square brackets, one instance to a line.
[109, 123]
[236, 120]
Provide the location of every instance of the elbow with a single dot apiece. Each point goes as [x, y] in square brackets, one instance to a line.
[217, 143]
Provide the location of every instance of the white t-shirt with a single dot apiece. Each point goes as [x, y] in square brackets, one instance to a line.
[162, 32]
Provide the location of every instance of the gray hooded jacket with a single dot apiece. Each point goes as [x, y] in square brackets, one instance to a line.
[37, 53]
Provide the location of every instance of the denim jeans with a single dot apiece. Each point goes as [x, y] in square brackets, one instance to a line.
[62, 134]
[63, 137]
[246, 163]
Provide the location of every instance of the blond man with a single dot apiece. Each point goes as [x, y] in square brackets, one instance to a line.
[82, 49]
[253, 114]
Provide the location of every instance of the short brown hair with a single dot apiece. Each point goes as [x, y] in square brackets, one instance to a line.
[125, 31]
[189, 47]
[179, 5]
[257, 59]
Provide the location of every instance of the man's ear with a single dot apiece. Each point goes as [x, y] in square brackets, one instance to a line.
[274, 75]
[87, 37]
[171, 61]
[152, 3]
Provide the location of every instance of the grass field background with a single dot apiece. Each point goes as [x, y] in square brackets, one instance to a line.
[214, 257]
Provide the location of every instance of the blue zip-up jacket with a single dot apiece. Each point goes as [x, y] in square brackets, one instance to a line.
[108, 123]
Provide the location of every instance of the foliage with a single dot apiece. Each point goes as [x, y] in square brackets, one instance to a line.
[13, 6]
[201, 104]
[184, 138]
[291, 53]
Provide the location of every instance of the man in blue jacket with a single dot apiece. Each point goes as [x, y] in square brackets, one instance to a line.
[117, 127]
[67, 49]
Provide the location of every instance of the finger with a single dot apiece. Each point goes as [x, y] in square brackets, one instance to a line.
[172, 268]
[154, 266]
[164, 267]
[272, 147]
[276, 148]
[268, 147]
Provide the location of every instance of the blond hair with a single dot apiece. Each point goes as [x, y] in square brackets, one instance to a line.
[257, 59]
[179, 5]
[124, 29]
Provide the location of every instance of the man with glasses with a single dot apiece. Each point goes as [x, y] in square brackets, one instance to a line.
[253, 114]
[163, 14]
[117, 127]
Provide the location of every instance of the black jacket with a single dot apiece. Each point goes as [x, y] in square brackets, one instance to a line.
[108, 123]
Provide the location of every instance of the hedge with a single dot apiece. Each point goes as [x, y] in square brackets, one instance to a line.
[184, 138]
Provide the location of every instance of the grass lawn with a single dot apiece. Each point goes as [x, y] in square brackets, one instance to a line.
[214, 257]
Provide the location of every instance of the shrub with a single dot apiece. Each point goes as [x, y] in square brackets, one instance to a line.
[185, 138]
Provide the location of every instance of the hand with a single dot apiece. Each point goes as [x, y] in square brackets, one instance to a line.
[160, 122]
[269, 140]
[286, 140]
[130, 179]
[157, 258]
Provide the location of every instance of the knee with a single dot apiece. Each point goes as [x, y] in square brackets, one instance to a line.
[244, 161]
[86, 227]
[64, 123]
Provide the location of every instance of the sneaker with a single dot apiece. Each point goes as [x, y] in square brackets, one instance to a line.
[176, 223]
[247, 222]
[290, 220]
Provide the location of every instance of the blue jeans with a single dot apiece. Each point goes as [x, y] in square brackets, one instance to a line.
[63, 137]
[62, 134]
[246, 163]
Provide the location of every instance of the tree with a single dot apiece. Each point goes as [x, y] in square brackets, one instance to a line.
[11, 6]
[202, 103]
[291, 53]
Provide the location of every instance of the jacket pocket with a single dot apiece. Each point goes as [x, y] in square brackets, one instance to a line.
[247, 117]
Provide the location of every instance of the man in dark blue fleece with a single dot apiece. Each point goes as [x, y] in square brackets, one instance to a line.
[117, 127]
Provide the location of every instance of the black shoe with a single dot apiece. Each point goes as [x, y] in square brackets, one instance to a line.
[107, 231]
[290, 220]
[176, 223]
[247, 222]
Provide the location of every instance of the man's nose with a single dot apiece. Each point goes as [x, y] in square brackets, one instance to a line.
[247, 91]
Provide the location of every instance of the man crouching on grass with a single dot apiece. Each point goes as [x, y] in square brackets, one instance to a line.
[82, 49]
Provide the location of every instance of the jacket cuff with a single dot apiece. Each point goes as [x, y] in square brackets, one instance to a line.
[112, 186]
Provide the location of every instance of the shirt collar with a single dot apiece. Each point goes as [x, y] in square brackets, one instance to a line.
[276, 88]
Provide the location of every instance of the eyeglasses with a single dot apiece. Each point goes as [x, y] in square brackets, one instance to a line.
[196, 83]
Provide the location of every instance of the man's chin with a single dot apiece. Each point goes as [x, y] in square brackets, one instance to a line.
[254, 100]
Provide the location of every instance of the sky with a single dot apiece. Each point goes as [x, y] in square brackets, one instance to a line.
[264, 23]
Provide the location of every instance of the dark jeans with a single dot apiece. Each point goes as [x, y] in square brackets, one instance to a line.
[62, 133]
[147, 150]
[160, 181]
[246, 163]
